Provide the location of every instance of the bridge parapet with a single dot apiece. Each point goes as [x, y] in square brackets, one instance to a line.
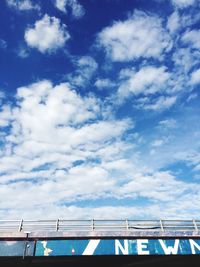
[98, 225]
[99, 237]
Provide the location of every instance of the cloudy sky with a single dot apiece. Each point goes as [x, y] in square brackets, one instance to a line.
[99, 109]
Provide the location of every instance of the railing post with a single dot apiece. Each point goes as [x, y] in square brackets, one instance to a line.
[195, 225]
[127, 225]
[161, 226]
[57, 225]
[92, 225]
[20, 226]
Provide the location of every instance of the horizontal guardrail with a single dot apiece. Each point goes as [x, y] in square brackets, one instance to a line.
[98, 225]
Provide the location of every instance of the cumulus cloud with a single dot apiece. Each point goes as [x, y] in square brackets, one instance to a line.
[76, 8]
[192, 38]
[195, 77]
[183, 3]
[60, 147]
[55, 144]
[148, 80]
[23, 5]
[47, 35]
[63, 150]
[5, 115]
[134, 38]
[66, 148]
[174, 23]
[54, 125]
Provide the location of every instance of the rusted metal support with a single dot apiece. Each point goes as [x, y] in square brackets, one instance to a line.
[57, 225]
[21, 225]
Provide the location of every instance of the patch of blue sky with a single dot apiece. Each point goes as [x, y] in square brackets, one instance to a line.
[182, 170]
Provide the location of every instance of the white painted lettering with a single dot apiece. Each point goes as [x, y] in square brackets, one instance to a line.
[170, 249]
[119, 247]
[194, 245]
[142, 246]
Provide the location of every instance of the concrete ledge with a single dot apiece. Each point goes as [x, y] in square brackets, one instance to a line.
[116, 234]
[13, 235]
[99, 234]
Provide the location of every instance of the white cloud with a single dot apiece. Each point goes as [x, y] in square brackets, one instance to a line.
[162, 102]
[158, 142]
[183, 3]
[104, 83]
[47, 35]
[61, 5]
[148, 80]
[22, 52]
[55, 140]
[193, 38]
[5, 115]
[76, 8]
[3, 44]
[54, 125]
[134, 38]
[192, 97]
[169, 123]
[185, 59]
[151, 211]
[86, 66]
[2, 95]
[23, 5]
[195, 77]
[174, 23]
[63, 151]
[155, 186]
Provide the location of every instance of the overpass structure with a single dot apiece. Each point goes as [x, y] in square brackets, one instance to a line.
[100, 242]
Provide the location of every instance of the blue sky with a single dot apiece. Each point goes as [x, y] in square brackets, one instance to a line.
[99, 109]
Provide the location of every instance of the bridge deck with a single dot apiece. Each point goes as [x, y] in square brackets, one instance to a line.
[105, 240]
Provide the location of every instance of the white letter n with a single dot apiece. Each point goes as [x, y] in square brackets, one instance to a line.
[194, 245]
[118, 246]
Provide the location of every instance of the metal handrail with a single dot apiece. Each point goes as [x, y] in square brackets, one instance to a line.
[98, 225]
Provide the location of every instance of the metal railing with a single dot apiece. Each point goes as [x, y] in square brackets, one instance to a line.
[98, 225]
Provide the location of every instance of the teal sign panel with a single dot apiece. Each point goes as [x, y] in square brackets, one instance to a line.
[16, 248]
[117, 247]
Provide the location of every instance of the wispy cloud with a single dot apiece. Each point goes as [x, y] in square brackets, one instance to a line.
[86, 67]
[74, 6]
[23, 5]
[3, 44]
[104, 83]
[183, 3]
